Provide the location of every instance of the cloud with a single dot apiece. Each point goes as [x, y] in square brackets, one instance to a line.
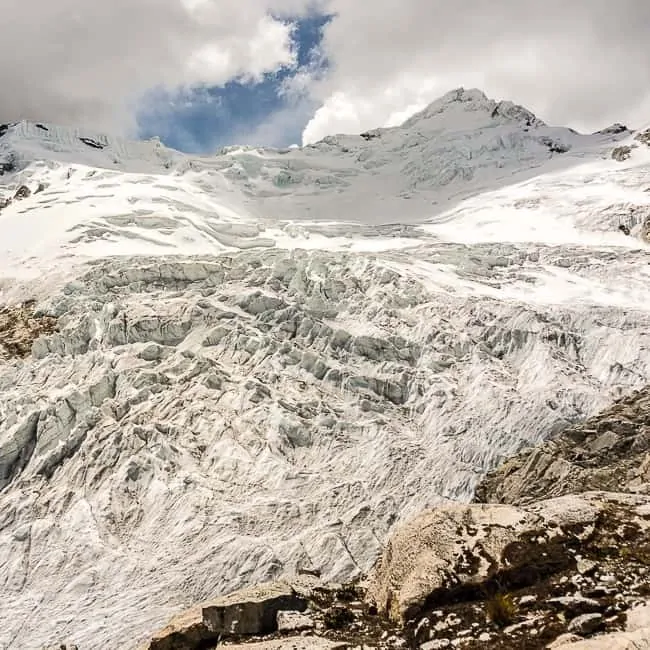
[89, 63]
[583, 63]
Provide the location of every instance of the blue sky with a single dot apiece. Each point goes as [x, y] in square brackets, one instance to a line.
[204, 119]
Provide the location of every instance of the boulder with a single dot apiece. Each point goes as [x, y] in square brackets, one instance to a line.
[184, 632]
[251, 611]
[23, 192]
[586, 624]
[466, 552]
[246, 612]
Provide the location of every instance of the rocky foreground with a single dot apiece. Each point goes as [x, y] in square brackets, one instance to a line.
[516, 570]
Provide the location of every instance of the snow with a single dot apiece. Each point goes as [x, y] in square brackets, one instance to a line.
[268, 358]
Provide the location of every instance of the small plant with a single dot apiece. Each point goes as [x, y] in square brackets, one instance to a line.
[501, 610]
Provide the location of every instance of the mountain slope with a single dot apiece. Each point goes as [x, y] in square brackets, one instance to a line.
[266, 359]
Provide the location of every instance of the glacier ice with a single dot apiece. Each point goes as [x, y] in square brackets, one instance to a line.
[266, 359]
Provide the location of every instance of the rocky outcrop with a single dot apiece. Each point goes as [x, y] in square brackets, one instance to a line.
[622, 153]
[269, 616]
[23, 192]
[251, 611]
[20, 327]
[516, 576]
[643, 137]
[610, 451]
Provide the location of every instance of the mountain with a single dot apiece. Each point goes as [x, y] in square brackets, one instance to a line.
[264, 360]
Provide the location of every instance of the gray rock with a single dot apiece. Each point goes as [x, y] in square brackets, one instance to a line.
[251, 611]
[436, 644]
[246, 612]
[576, 605]
[289, 621]
[586, 624]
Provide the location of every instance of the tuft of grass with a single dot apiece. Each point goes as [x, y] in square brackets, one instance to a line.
[501, 610]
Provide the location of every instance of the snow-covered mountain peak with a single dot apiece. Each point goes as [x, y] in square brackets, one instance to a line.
[462, 108]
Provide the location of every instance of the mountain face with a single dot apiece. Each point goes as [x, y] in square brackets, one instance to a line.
[264, 360]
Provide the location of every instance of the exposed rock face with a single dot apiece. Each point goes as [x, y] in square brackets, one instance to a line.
[23, 192]
[20, 327]
[643, 137]
[610, 451]
[247, 612]
[622, 153]
[461, 552]
[266, 618]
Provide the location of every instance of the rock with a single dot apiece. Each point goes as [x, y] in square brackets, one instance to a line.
[20, 328]
[605, 452]
[461, 552]
[622, 153]
[246, 612]
[337, 618]
[186, 631]
[638, 618]
[639, 640]
[292, 643]
[251, 611]
[436, 644]
[429, 554]
[586, 567]
[643, 137]
[586, 624]
[23, 192]
[576, 605]
[289, 621]
[563, 640]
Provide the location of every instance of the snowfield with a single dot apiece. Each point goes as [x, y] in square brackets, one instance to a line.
[268, 358]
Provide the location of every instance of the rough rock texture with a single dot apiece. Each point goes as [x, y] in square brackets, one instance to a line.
[19, 328]
[622, 153]
[643, 137]
[461, 552]
[336, 618]
[247, 612]
[636, 635]
[610, 451]
[289, 621]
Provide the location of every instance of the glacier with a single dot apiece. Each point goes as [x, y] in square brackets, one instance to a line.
[266, 359]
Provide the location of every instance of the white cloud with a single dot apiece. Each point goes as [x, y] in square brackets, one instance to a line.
[584, 63]
[88, 63]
